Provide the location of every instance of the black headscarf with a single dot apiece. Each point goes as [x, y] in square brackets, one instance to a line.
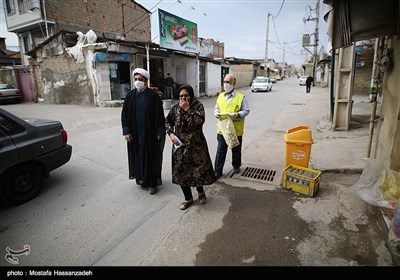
[190, 91]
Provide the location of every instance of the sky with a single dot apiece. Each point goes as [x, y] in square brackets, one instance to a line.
[240, 24]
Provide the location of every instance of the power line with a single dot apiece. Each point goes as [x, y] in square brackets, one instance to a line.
[144, 16]
[276, 33]
[283, 2]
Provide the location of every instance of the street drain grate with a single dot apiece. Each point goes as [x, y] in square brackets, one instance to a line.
[258, 175]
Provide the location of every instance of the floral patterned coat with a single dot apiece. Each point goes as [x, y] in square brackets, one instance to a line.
[191, 163]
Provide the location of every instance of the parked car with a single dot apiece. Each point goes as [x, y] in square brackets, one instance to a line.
[29, 150]
[9, 93]
[302, 80]
[273, 79]
[261, 84]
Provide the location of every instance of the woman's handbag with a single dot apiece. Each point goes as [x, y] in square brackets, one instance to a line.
[228, 131]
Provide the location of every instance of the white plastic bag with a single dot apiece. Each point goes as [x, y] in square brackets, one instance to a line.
[76, 51]
[91, 37]
[180, 144]
[228, 131]
[378, 185]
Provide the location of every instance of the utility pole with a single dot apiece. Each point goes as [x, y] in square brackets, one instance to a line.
[266, 48]
[316, 38]
[283, 58]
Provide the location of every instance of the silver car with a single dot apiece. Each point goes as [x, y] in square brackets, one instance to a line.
[9, 93]
[261, 84]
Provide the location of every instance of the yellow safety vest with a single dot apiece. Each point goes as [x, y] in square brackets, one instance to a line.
[233, 106]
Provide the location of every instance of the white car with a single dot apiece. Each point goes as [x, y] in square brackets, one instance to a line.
[9, 93]
[261, 84]
[302, 80]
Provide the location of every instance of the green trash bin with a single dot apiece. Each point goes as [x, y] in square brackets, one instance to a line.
[298, 146]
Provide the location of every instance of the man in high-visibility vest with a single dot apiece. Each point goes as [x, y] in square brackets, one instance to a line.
[233, 104]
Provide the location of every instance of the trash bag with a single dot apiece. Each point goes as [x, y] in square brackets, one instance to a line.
[76, 51]
[228, 131]
[91, 37]
[378, 185]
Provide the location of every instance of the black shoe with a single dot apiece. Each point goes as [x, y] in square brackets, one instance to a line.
[152, 190]
[217, 175]
[141, 183]
[236, 170]
[159, 182]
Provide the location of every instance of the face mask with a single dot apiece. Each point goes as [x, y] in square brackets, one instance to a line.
[139, 85]
[228, 87]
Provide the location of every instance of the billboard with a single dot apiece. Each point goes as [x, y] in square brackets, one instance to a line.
[177, 33]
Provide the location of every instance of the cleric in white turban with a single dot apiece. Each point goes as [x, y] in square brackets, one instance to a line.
[142, 72]
[143, 127]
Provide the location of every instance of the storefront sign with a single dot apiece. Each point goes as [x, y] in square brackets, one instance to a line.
[177, 33]
[99, 56]
[359, 48]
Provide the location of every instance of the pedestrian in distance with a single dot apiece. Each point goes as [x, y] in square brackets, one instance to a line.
[143, 127]
[169, 86]
[191, 161]
[309, 81]
[230, 103]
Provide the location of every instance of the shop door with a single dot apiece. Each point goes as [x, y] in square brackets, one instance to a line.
[26, 85]
[157, 79]
[202, 80]
[180, 75]
[120, 83]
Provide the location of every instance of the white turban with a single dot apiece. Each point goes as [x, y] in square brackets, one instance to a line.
[142, 72]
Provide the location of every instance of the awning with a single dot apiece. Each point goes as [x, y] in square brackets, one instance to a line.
[351, 21]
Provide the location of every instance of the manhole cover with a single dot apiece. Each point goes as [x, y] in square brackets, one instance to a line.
[258, 174]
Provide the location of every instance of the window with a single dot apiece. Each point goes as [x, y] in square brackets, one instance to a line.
[10, 127]
[10, 6]
[27, 45]
[25, 6]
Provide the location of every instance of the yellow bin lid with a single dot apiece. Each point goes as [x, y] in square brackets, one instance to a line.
[299, 135]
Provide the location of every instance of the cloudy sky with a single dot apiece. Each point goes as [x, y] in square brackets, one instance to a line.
[240, 24]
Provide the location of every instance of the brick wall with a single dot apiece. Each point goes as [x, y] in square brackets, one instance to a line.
[112, 17]
[61, 80]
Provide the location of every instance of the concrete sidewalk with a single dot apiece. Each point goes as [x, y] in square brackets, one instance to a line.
[332, 150]
[338, 154]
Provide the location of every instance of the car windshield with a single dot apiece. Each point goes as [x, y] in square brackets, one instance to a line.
[261, 80]
[5, 86]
